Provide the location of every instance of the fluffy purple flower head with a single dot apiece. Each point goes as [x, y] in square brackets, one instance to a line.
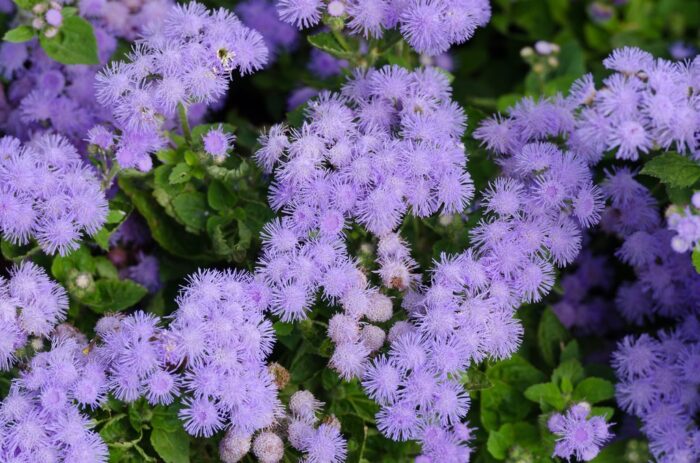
[578, 435]
[48, 194]
[186, 58]
[429, 26]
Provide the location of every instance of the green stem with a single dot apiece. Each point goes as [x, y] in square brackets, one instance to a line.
[108, 176]
[182, 112]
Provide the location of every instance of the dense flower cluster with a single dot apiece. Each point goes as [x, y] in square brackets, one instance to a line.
[578, 435]
[658, 375]
[429, 26]
[647, 103]
[47, 193]
[124, 19]
[43, 93]
[186, 58]
[30, 305]
[388, 145]
[686, 223]
[41, 418]
[535, 212]
[667, 285]
[220, 335]
[211, 357]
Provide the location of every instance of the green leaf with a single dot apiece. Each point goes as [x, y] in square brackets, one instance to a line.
[551, 336]
[605, 412]
[673, 169]
[594, 390]
[27, 4]
[191, 208]
[283, 329]
[327, 42]
[19, 34]
[113, 295]
[571, 370]
[219, 197]
[17, 253]
[509, 435]
[696, 258]
[165, 231]
[165, 418]
[173, 446]
[74, 44]
[475, 379]
[546, 393]
[179, 174]
[571, 351]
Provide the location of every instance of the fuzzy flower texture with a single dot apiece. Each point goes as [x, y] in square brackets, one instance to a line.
[429, 26]
[186, 58]
[211, 357]
[48, 194]
[578, 435]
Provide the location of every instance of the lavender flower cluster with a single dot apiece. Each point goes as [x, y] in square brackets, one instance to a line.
[658, 379]
[370, 155]
[211, 357]
[579, 435]
[43, 93]
[647, 103]
[686, 223]
[667, 284]
[186, 58]
[429, 26]
[30, 306]
[535, 213]
[47, 193]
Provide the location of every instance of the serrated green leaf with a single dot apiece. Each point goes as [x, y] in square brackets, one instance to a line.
[113, 295]
[172, 446]
[546, 393]
[673, 169]
[179, 174]
[191, 208]
[327, 42]
[510, 434]
[594, 390]
[219, 197]
[19, 34]
[572, 370]
[571, 351]
[75, 43]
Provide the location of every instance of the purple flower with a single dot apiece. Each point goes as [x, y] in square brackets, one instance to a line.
[577, 434]
[184, 59]
[48, 194]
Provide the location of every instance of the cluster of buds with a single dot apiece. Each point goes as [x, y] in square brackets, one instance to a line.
[685, 221]
[48, 18]
[542, 57]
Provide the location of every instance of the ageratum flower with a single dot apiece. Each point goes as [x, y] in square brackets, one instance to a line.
[187, 58]
[578, 434]
[429, 26]
[47, 193]
[30, 305]
[387, 146]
